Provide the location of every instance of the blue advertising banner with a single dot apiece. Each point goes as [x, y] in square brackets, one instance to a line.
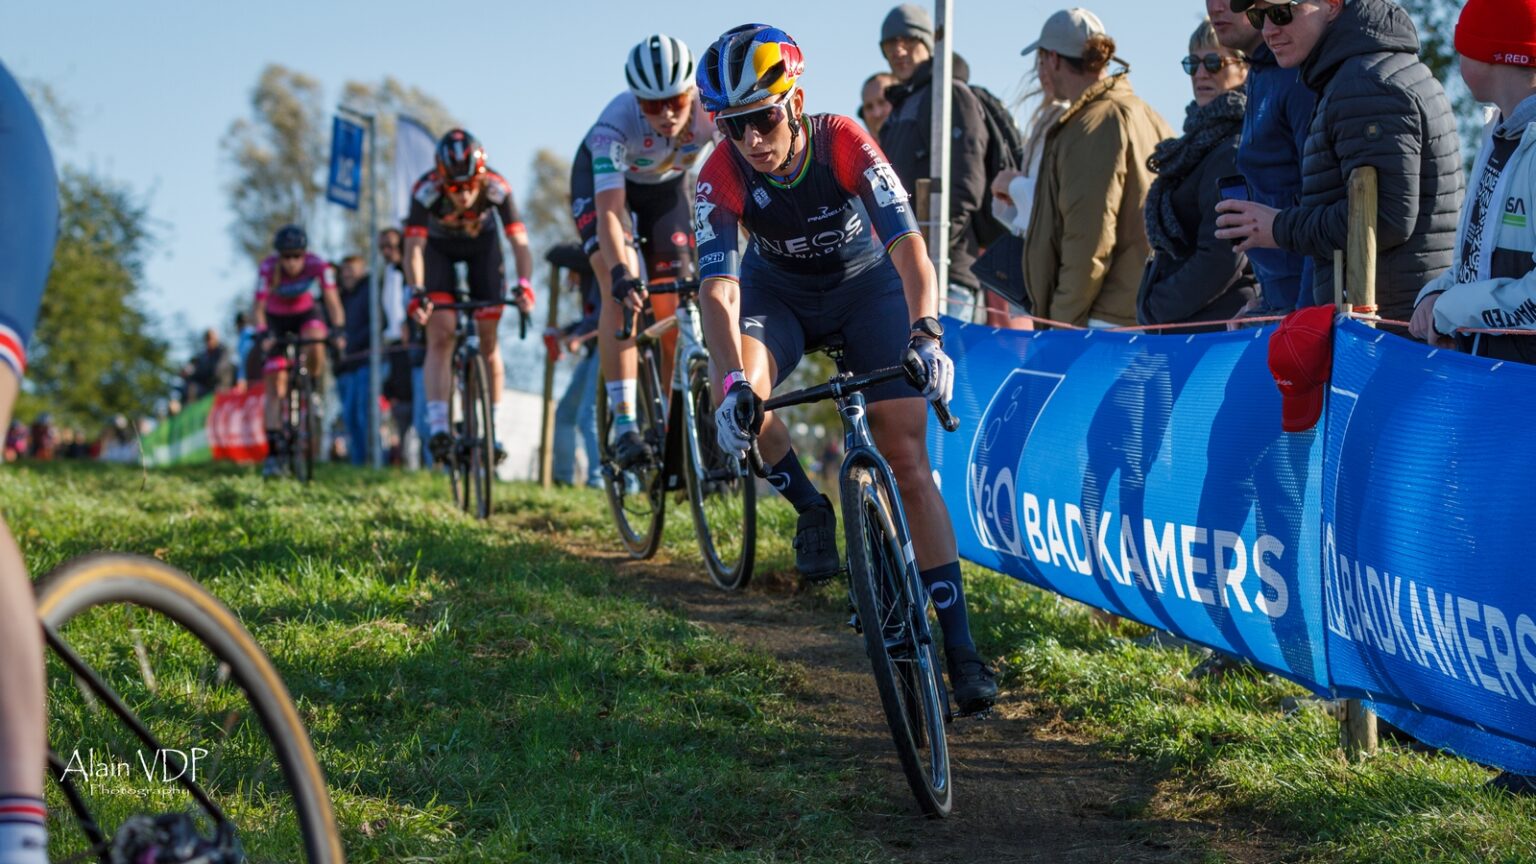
[1143, 475]
[345, 183]
[1380, 555]
[1427, 501]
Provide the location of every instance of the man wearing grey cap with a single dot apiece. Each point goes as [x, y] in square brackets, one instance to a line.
[906, 40]
[1087, 243]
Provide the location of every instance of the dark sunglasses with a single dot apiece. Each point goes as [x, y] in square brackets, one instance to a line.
[466, 186]
[1280, 15]
[291, 256]
[1213, 63]
[764, 120]
[656, 106]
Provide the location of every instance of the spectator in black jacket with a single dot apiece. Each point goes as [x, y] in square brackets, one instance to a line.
[209, 370]
[906, 40]
[1193, 276]
[1380, 106]
[352, 383]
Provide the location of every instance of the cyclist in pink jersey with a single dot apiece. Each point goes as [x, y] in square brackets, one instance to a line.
[286, 285]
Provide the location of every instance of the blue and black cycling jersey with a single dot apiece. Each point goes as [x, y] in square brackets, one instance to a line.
[814, 231]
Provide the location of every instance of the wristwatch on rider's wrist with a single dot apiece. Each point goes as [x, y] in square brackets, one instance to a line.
[928, 327]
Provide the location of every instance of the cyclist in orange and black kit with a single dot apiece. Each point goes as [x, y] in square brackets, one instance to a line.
[454, 211]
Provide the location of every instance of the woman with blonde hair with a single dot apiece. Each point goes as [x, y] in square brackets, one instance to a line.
[1193, 276]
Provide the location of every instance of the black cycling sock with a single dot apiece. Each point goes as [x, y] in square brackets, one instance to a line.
[789, 478]
[943, 583]
[277, 442]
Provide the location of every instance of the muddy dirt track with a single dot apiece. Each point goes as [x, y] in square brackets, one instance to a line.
[1026, 788]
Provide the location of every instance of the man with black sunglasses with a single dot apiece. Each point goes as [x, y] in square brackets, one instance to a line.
[1378, 105]
[630, 179]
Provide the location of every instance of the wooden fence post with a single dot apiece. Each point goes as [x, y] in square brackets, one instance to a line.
[1357, 723]
[547, 439]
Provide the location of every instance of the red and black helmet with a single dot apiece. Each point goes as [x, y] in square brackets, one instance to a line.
[460, 158]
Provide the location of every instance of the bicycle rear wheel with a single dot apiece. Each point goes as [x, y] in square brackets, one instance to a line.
[635, 496]
[132, 635]
[479, 442]
[721, 492]
[904, 661]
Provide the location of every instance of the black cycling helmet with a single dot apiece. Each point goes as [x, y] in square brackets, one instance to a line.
[290, 238]
[459, 157]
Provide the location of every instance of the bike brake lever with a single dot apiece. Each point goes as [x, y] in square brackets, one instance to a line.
[627, 332]
[755, 457]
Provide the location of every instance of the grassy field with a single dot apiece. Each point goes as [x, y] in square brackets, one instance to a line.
[476, 693]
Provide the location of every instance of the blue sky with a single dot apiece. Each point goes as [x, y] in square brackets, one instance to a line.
[155, 85]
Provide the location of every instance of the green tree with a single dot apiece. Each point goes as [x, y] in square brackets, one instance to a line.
[280, 154]
[1436, 22]
[94, 352]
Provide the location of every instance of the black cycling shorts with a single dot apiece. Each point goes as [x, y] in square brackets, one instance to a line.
[869, 310]
[487, 275]
[663, 219]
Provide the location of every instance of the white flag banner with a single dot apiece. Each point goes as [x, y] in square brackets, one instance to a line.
[414, 153]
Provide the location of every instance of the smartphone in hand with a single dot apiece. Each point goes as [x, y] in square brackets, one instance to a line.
[1233, 187]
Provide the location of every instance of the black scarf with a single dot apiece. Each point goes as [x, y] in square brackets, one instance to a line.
[1173, 160]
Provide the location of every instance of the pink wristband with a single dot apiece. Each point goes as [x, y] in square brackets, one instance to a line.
[522, 282]
[730, 380]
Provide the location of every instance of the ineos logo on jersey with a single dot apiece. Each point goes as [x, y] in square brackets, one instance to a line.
[814, 245]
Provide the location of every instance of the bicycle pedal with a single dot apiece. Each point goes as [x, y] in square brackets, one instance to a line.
[983, 714]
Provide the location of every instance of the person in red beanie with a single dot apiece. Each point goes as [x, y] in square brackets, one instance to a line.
[1491, 284]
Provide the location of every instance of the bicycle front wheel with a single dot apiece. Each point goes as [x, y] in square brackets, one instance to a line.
[479, 442]
[902, 656]
[160, 701]
[635, 496]
[722, 494]
[308, 420]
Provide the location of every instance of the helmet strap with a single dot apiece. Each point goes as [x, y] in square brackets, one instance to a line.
[794, 138]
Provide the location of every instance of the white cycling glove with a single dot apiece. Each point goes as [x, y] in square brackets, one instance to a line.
[938, 368]
[733, 420]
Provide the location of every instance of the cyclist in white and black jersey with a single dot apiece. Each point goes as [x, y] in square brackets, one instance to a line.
[630, 179]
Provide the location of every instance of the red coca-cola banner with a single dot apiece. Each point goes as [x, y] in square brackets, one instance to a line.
[236, 431]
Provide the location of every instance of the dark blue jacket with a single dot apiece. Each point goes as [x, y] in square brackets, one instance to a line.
[354, 305]
[1275, 131]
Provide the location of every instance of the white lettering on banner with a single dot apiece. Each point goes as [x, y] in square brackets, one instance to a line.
[1458, 637]
[1209, 567]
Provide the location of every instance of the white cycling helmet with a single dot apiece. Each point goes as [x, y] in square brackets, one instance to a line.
[659, 67]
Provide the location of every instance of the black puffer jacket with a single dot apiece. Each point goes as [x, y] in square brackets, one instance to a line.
[1377, 105]
[906, 138]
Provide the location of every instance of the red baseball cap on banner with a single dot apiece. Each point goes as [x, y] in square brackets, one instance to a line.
[1301, 359]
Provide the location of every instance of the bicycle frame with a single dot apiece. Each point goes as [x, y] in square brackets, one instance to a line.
[687, 322]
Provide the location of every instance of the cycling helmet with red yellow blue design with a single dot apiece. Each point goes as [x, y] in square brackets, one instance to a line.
[748, 64]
